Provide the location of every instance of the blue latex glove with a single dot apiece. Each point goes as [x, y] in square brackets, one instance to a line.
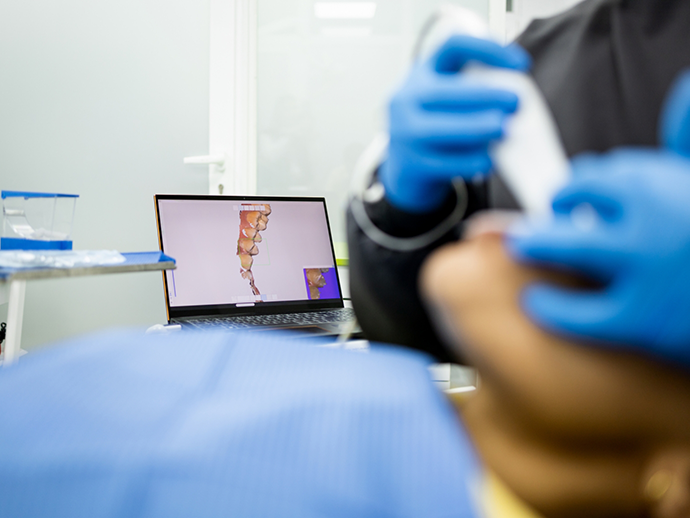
[675, 126]
[625, 222]
[441, 126]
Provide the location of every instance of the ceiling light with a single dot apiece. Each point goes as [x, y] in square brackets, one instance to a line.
[346, 32]
[345, 10]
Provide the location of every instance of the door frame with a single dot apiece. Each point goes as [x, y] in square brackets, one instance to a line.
[232, 96]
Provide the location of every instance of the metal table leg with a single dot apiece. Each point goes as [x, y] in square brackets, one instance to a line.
[15, 318]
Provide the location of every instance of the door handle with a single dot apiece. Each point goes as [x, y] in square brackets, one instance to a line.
[217, 160]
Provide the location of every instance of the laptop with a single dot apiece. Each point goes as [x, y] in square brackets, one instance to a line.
[248, 262]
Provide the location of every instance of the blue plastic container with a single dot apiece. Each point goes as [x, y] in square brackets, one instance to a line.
[37, 220]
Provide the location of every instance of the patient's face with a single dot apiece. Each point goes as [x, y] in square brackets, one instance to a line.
[565, 425]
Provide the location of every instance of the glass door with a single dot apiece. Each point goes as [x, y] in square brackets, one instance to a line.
[325, 70]
[299, 87]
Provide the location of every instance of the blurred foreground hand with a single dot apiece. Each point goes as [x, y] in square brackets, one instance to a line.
[624, 222]
[441, 125]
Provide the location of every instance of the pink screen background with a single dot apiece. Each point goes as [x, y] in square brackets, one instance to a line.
[202, 237]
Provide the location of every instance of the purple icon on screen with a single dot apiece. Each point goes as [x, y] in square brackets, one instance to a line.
[321, 283]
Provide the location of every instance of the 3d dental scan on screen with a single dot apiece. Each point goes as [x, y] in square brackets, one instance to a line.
[525, 213]
[253, 219]
[234, 252]
[249, 261]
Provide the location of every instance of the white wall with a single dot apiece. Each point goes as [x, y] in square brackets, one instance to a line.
[102, 98]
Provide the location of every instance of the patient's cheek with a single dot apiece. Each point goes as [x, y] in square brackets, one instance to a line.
[472, 291]
[455, 274]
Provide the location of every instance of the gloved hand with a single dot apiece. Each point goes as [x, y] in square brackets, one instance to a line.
[441, 125]
[675, 122]
[625, 222]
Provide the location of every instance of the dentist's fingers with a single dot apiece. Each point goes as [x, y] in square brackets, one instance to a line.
[458, 50]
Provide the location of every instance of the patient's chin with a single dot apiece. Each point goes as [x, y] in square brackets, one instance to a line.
[450, 332]
[449, 282]
[453, 276]
[496, 222]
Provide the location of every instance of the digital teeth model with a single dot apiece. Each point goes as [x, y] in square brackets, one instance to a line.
[251, 223]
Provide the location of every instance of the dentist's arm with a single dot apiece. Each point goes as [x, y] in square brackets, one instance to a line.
[440, 130]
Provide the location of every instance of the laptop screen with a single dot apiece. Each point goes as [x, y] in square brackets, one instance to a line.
[247, 255]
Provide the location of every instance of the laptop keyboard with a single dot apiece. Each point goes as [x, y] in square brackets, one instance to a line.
[332, 316]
